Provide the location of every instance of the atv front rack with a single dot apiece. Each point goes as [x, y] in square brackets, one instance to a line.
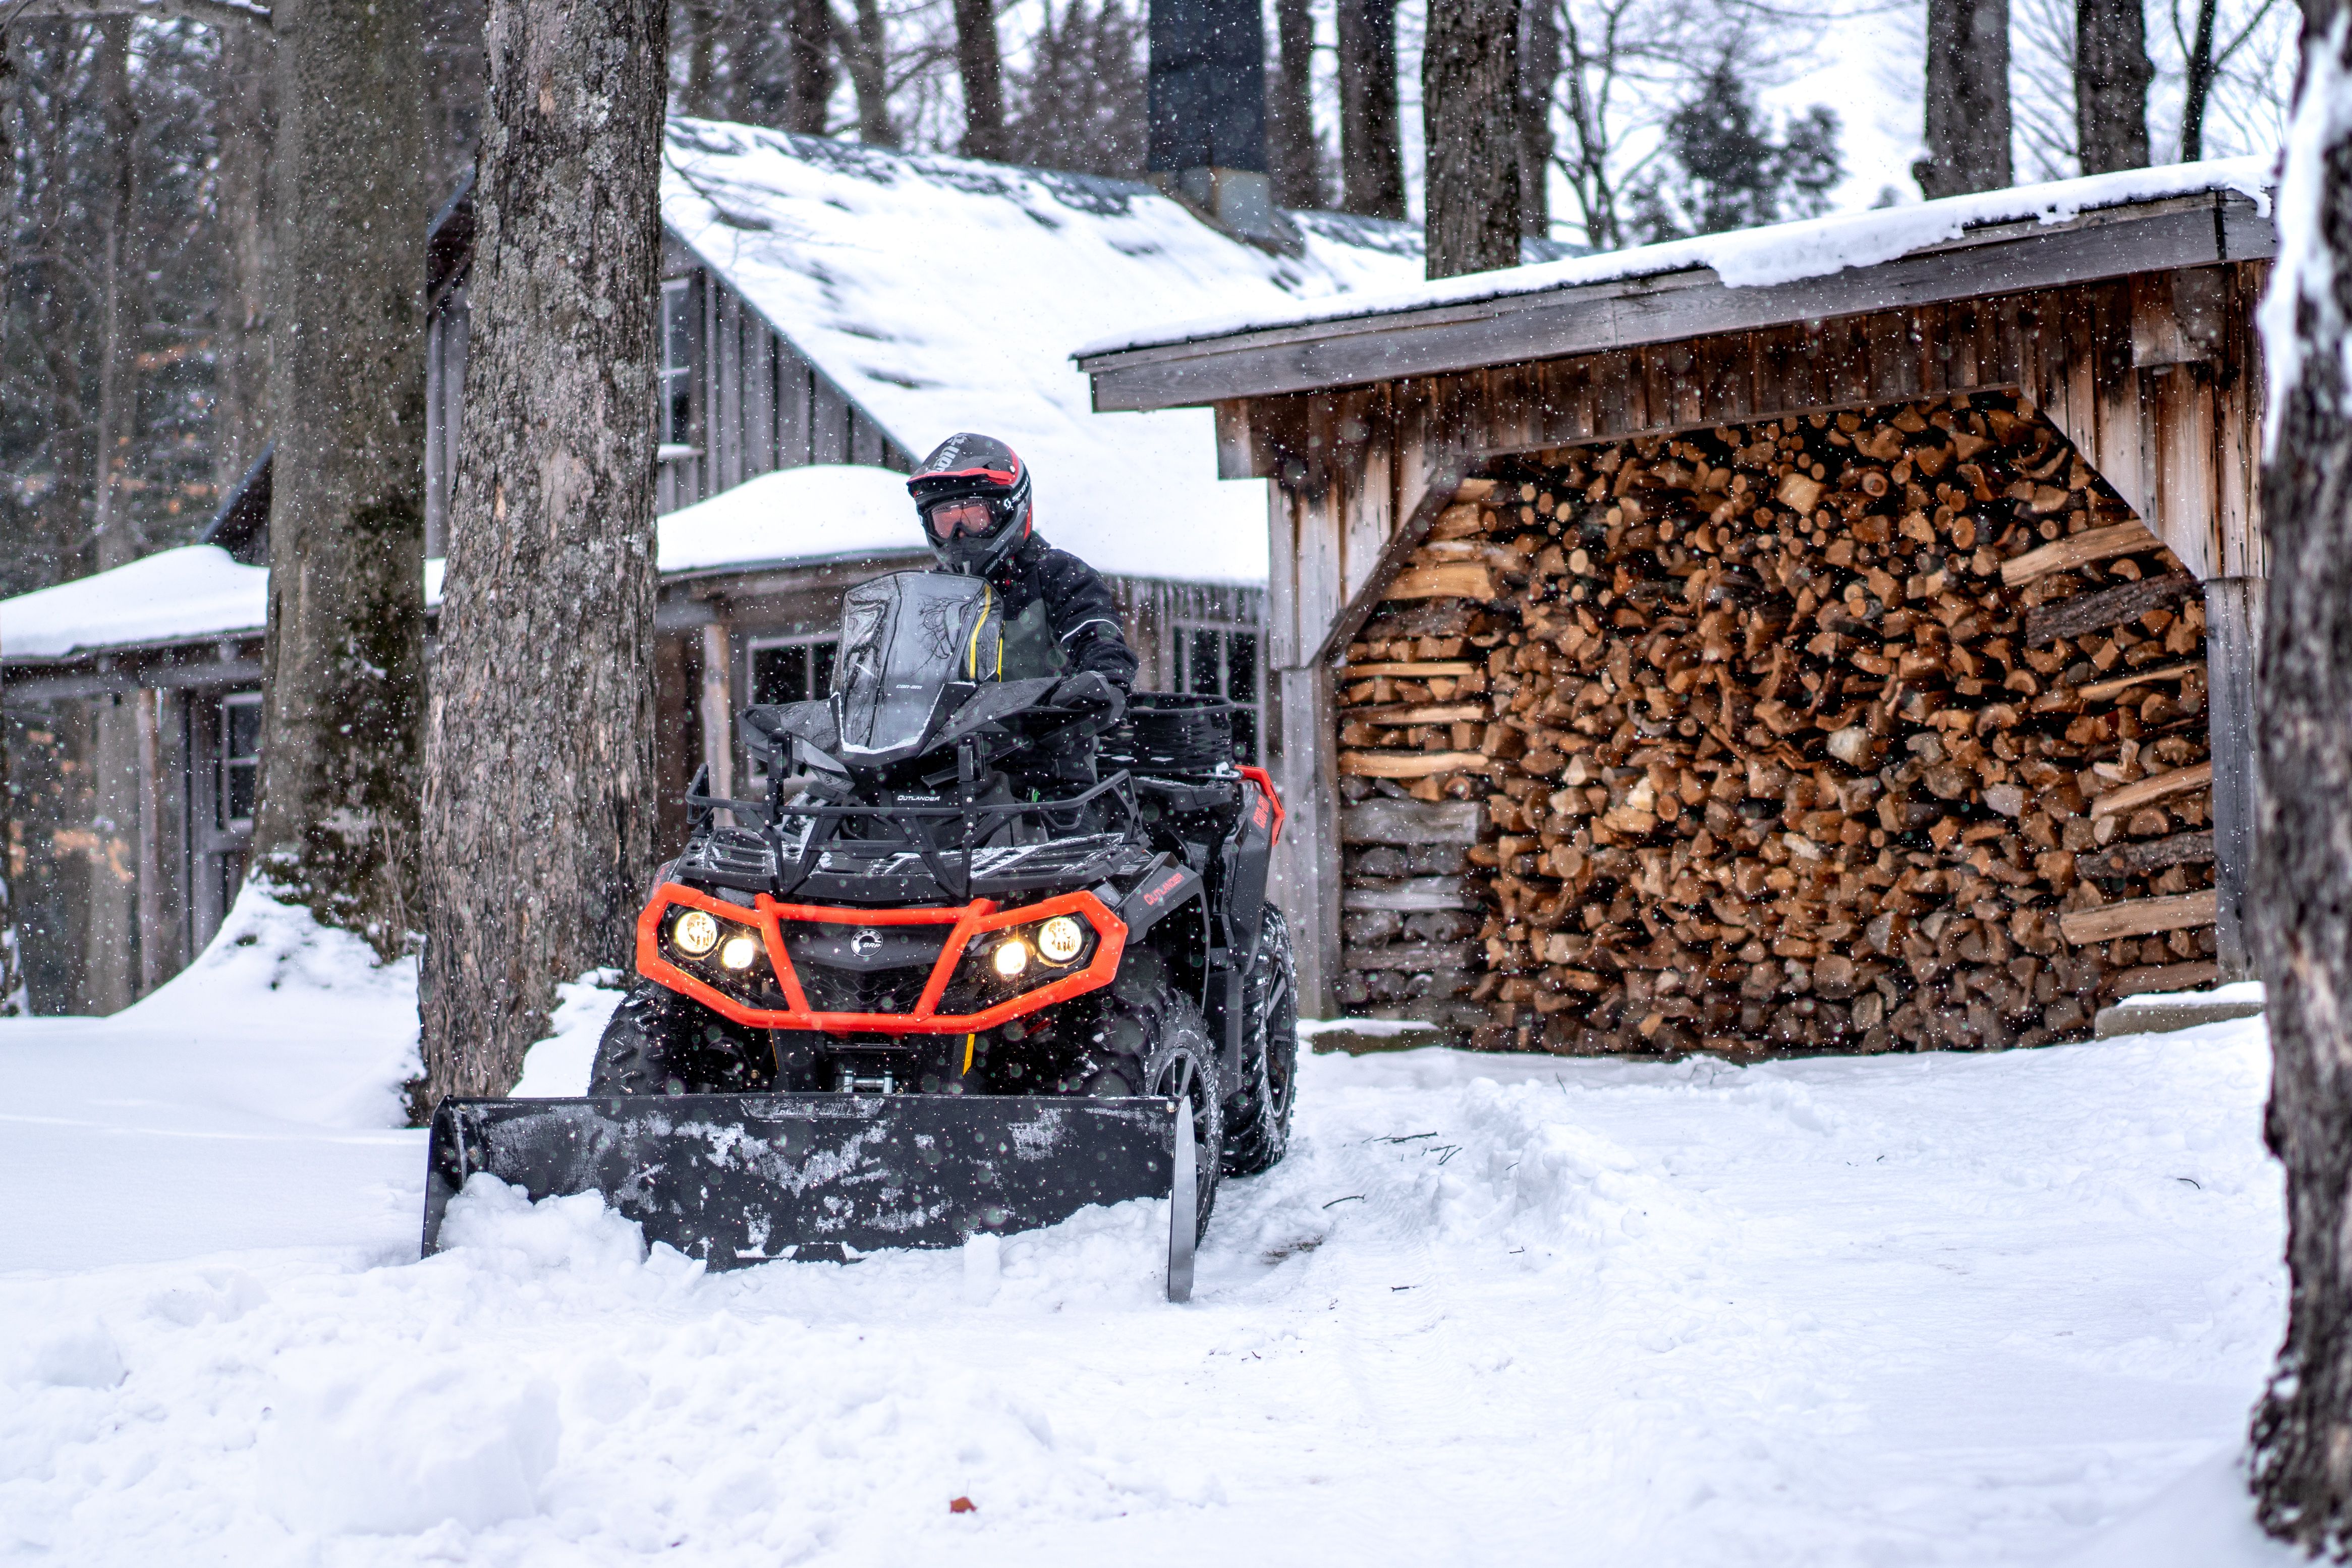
[741, 1179]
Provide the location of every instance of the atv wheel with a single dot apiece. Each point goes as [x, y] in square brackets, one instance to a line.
[662, 1043]
[1258, 1116]
[1152, 1041]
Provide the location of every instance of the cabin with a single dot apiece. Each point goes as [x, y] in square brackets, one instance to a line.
[830, 312]
[1837, 636]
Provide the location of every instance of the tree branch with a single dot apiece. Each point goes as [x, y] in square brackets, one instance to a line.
[211, 13]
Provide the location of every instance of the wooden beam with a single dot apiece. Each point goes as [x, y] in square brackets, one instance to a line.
[2093, 612]
[2078, 550]
[1448, 478]
[2179, 781]
[2137, 917]
[1512, 328]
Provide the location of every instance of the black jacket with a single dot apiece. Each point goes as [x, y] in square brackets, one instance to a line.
[1071, 621]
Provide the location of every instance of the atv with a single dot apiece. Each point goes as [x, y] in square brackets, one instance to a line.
[944, 979]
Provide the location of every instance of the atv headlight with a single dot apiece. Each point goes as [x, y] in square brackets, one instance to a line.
[1012, 956]
[1061, 939]
[741, 952]
[696, 934]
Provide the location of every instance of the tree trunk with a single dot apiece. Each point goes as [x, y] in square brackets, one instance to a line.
[866, 50]
[116, 534]
[2198, 90]
[241, 382]
[702, 58]
[1372, 151]
[2302, 909]
[1968, 97]
[1293, 155]
[344, 655]
[982, 66]
[1539, 68]
[539, 794]
[1470, 128]
[2112, 72]
[808, 44]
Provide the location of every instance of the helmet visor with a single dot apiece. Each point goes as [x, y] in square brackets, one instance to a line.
[971, 518]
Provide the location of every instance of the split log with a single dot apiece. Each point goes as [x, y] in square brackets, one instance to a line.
[2080, 550]
[2158, 977]
[2100, 691]
[1380, 821]
[2095, 612]
[2139, 917]
[1411, 894]
[2148, 791]
[1411, 765]
[1457, 580]
[2152, 855]
[1426, 958]
[1439, 670]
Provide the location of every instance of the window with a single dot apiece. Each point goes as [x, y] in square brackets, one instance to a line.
[791, 669]
[241, 757]
[1222, 661]
[678, 335]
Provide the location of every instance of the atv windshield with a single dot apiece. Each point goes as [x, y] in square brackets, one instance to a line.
[904, 641]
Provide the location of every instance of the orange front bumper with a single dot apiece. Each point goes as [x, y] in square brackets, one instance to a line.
[970, 920]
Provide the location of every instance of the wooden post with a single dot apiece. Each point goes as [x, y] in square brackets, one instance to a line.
[2234, 640]
[154, 967]
[1306, 883]
[718, 710]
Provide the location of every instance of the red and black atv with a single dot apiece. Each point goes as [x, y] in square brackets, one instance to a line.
[935, 984]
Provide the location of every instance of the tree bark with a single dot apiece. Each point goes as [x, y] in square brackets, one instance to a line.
[1470, 129]
[2198, 90]
[1293, 156]
[1371, 149]
[241, 382]
[866, 48]
[2112, 72]
[1968, 97]
[116, 535]
[2303, 906]
[539, 795]
[344, 655]
[982, 66]
[808, 44]
[1541, 58]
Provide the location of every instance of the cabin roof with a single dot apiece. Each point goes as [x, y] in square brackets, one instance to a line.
[945, 294]
[2027, 236]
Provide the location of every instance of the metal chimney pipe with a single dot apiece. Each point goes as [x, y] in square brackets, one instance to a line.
[1207, 112]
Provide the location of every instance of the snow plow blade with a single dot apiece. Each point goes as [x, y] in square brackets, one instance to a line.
[738, 1179]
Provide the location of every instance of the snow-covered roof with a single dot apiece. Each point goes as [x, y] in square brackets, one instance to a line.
[827, 512]
[944, 294]
[1744, 258]
[173, 595]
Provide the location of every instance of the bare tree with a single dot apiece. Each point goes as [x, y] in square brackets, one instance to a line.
[1294, 156]
[981, 64]
[1371, 148]
[1471, 129]
[2303, 1429]
[1539, 69]
[2207, 56]
[240, 395]
[539, 792]
[866, 51]
[2112, 72]
[118, 540]
[1968, 97]
[809, 72]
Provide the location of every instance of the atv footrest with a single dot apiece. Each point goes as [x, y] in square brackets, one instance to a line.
[737, 1179]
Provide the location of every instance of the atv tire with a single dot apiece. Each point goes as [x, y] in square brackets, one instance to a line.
[662, 1043]
[1257, 1114]
[1151, 1040]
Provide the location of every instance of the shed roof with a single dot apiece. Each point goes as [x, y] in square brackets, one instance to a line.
[945, 294]
[2027, 236]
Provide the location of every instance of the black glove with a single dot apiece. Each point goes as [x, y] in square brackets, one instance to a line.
[1089, 691]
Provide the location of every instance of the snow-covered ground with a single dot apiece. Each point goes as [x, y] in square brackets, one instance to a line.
[2000, 1310]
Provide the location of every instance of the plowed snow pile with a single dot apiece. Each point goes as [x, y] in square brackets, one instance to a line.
[1998, 1310]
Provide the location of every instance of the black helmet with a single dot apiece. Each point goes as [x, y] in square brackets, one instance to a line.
[972, 468]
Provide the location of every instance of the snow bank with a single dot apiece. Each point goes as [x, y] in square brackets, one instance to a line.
[1744, 259]
[196, 591]
[558, 1067]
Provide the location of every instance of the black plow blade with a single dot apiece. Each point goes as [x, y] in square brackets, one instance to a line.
[737, 1179]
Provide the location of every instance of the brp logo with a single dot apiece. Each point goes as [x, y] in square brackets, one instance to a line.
[866, 942]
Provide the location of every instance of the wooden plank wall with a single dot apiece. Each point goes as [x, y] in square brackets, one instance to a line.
[2157, 379]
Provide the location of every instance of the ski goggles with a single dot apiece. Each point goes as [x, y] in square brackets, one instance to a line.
[971, 518]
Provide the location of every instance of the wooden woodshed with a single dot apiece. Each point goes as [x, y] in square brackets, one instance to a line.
[1833, 636]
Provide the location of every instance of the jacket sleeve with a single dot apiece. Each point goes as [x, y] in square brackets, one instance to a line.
[1084, 617]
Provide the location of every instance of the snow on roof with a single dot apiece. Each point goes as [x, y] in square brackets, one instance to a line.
[829, 512]
[944, 294]
[1744, 258]
[171, 596]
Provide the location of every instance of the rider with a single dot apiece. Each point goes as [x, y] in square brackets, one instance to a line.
[1052, 613]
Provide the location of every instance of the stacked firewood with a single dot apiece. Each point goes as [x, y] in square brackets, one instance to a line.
[1867, 732]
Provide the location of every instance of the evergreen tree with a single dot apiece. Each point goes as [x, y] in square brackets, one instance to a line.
[1080, 102]
[1725, 166]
